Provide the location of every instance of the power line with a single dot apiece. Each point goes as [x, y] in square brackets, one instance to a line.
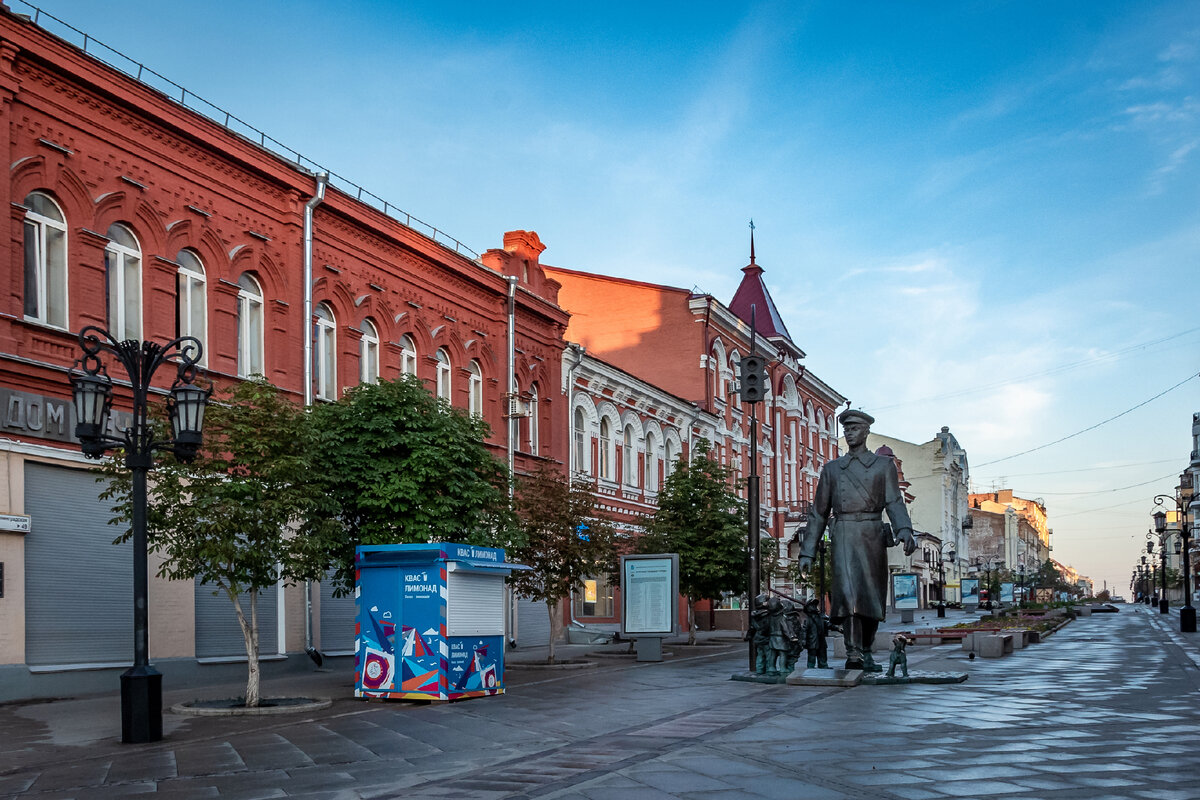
[1085, 469]
[1096, 491]
[1057, 370]
[1102, 508]
[1093, 427]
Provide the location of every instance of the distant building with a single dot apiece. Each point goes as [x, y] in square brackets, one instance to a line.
[1024, 538]
[937, 477]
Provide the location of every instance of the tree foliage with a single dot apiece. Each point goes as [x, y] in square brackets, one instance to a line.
[399, 465]
[701, 518]
[563, 536]
[231, 518]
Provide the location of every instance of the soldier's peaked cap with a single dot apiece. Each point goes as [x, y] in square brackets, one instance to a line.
[854, 415]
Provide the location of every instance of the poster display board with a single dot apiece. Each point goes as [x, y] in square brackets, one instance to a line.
[970, 591]
[1006, 593]
[649, 594]
[904, 591]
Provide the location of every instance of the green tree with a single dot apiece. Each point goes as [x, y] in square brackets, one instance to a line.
[564, 538]
[231, 518]
[400, 466]
[701, 518]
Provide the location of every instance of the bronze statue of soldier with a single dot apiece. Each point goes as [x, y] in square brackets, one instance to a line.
[854, 491]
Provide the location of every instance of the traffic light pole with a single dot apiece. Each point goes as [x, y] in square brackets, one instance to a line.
[752, 389]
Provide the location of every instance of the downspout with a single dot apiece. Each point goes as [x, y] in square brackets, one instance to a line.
[582, 351]
[316, 200]
[510, 396]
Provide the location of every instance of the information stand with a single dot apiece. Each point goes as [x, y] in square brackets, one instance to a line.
[649, 601]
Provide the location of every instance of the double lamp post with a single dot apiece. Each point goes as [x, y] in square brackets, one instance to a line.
[141, 684]
[1187, 614]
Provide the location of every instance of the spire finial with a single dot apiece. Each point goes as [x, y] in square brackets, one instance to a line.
[751, 241]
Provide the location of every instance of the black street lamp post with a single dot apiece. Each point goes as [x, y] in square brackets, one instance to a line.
[141, 684]
[1163, 605]
[1187, 614]
[1021, 582]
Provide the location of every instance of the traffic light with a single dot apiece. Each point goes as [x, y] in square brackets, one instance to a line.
[753, 379]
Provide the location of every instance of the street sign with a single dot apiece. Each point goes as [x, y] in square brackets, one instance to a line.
[15, 522]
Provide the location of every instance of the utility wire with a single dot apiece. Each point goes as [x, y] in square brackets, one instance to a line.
[1093, 427]
[1084, 469]
[1072, 365]
[1095, 491]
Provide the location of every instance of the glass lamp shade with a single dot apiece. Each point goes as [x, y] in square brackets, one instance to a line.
[93, 401]
[1178, 547]
[1149, 547]
[1160, 521]
[951, 556]
[187, 413]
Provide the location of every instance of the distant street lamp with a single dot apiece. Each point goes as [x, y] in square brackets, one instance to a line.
[1187, 614]
[141, 684]
[1163, 606]
[943, 558]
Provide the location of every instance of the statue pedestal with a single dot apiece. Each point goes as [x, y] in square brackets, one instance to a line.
[754, 677]
[914, 676]
[803, 676]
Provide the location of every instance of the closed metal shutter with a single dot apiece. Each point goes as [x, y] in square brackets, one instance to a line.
[218, 634]
[533, 623]
[338, 615]
[474, 605]
[78, 584]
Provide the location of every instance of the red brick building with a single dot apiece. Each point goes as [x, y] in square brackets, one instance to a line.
[133, 212]
[689, 345]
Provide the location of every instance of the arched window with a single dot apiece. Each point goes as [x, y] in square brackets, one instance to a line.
[408, 356]
[325, 353]
[605, 443]
[191, 303]
[533, 419]
[629, 470]
[368, 353]
[735, 368]
[651, 480]
[669, 456]
[475, 389]
[443, 374]
[250, 327]
[579, 437]
[123, 268]
[45, 261]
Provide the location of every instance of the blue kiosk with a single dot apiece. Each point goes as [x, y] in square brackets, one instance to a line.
[430, 621]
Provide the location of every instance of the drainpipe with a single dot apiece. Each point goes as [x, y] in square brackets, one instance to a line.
[309, 207]
[511, 420]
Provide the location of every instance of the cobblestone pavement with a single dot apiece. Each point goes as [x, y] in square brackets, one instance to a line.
[1107, 708]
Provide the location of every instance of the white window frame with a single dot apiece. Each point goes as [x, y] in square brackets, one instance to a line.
[368, 353]
[191, 296]
[606, 444]
[650, 479]
[583, 463]
[250, 308]
[533, 419]
[325, 352]
[475, 389]
[124, 314]
[47, 277]
[629, 471]
[408, 355]
[444, 384]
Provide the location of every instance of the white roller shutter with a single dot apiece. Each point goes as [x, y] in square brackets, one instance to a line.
[218, 634]
[533, 623]
[338, 615]
[78, 584]
[475, 604]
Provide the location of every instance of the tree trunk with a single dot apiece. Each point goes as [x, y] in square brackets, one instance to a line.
[250, 638]
[691, 604]
[555, 626]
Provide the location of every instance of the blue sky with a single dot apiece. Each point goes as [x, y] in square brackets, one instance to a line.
[981, 215]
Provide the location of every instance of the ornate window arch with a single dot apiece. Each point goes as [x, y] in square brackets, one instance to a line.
[408, 355]
[443, 374]
[475, 388]
[368, 352]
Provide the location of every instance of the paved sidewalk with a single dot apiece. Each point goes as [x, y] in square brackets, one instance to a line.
[1107, 708]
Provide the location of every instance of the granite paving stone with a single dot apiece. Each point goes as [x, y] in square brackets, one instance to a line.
[1104, 707]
